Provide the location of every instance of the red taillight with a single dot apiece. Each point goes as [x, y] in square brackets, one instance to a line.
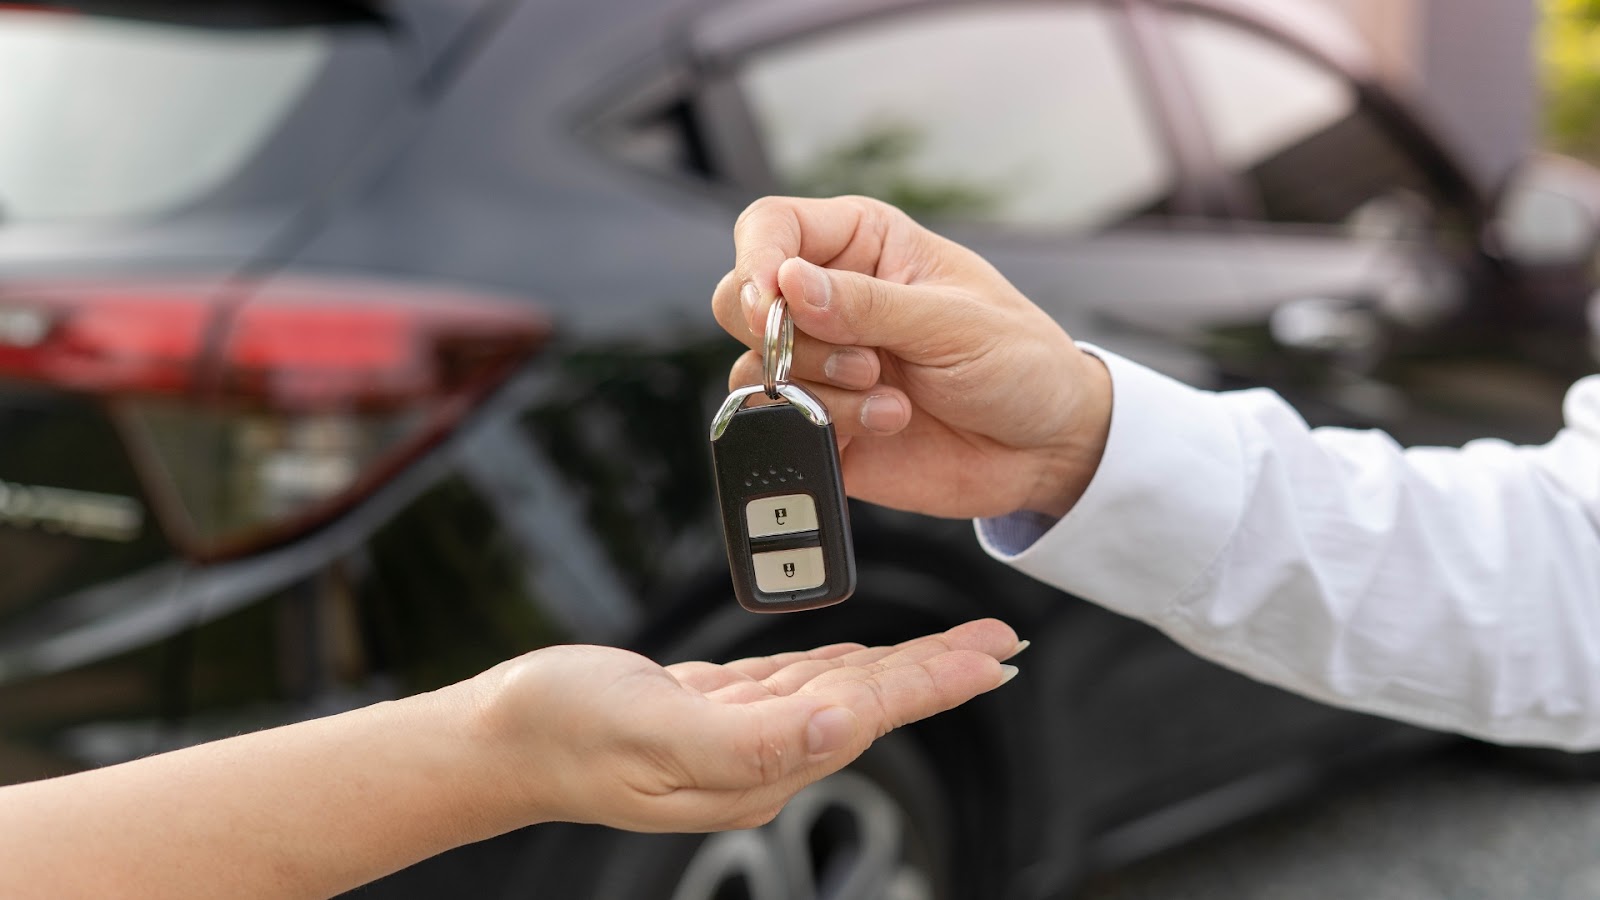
[115, 343]
[372, 356]
[260, 409]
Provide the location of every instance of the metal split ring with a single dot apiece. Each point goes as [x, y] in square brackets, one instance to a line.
[778, 347]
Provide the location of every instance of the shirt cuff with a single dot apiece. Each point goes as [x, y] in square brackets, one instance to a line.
[1163, 504]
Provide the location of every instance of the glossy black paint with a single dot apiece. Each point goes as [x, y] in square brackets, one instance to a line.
[577, 502]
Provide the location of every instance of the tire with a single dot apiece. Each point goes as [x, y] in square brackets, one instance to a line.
[877, 830]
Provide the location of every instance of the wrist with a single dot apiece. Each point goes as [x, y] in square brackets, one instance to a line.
[1068, 465]
[500, 790]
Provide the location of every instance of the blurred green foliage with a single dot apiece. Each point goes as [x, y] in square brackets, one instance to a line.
[879, 163]
[1569, 57]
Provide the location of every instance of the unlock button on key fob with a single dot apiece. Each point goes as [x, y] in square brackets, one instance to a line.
[788, 514]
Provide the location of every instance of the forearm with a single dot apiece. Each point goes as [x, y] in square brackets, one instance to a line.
[1456, 589]
[307, 810]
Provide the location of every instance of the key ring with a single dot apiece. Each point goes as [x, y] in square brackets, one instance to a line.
[778, 347]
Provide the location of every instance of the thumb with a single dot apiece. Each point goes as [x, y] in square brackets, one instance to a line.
[920, 324]
[747, 746]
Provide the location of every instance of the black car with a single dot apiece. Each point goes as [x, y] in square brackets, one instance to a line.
[349, 348]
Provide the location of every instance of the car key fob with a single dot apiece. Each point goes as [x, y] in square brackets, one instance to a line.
[782, 495]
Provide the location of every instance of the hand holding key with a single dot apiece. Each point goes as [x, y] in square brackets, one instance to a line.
[952, 394]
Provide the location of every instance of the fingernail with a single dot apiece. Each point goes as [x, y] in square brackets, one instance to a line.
[1007, 673]
[1021, 646]
[883, 412]
[830, 731]
[817, 287]
[848, 367]
[750, 296]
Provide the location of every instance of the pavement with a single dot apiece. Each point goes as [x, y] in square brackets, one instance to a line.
[1461, 826]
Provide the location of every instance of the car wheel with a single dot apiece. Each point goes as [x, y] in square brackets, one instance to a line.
[877, 830]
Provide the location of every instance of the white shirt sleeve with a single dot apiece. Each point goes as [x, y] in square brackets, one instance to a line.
[1453, 588]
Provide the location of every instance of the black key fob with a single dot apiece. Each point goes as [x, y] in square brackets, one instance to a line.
[783, 502]
[783, 505]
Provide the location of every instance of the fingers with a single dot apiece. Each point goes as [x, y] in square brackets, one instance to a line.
[707, 677]
[841, 232]
[874, 409]
[787, 742]
[759, 667]
[853, 368]
[779, 681]
[916, 322]
[987, 636]
[729, 311]
[845, 264]
[923, 324]
[898, 695]
[753, 678]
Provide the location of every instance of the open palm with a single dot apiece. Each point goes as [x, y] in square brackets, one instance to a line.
[699, 746]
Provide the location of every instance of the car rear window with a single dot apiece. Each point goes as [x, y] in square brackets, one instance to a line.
[127, 118]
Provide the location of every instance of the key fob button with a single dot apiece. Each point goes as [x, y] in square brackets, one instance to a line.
[788, 514]
[779, 571]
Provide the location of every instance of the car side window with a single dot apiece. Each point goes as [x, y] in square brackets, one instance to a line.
[1293, 130]
[1017, 115]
